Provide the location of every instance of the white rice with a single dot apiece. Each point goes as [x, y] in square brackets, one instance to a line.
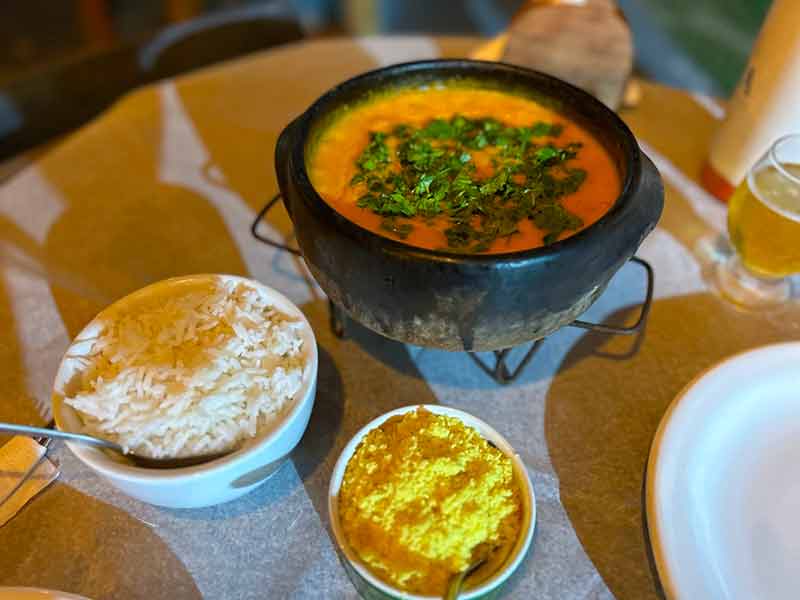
[193, 374]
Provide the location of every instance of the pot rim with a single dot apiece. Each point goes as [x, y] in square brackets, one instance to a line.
[477, 69]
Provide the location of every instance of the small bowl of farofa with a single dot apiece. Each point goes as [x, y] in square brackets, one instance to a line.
[197, 366]
[422, 493]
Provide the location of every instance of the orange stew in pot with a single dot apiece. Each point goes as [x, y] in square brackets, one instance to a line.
[463, 169]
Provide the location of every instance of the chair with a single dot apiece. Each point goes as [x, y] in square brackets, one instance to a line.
[63, 96]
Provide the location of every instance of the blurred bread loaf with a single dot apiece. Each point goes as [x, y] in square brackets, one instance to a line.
[585, 42]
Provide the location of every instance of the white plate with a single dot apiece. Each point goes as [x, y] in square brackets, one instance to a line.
[723, 481]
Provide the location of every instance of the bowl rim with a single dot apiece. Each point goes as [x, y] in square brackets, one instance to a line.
[454, 67]
[524, 541]
[38, 593]
[102, 464]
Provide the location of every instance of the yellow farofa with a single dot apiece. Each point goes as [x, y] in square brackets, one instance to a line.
[420, 493]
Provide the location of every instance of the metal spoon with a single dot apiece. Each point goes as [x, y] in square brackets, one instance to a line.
[457, 580]
[80, 438]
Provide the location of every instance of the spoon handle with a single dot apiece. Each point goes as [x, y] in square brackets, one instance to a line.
[55, 433]
[454, 587]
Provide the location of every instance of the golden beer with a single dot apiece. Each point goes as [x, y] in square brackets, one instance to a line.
[764, 220]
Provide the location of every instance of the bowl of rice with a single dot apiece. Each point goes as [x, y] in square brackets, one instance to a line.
[195, 365]
[422, 493]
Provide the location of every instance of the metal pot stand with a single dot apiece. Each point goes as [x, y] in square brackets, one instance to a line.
[501, 371]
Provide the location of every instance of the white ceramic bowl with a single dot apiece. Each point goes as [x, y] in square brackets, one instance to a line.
[210, 483]
[368, 584]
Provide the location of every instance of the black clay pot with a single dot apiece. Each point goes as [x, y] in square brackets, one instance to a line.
[467, 302]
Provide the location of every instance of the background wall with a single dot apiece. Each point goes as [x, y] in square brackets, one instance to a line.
[698, 44]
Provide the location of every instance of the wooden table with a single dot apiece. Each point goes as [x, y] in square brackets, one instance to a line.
[167, 183]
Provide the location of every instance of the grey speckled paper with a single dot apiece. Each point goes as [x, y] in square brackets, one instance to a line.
[167, 182]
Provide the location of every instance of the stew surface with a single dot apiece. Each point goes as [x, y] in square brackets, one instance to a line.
[466, 170]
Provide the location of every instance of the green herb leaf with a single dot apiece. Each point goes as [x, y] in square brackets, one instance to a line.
[542, 129]
[401, 230]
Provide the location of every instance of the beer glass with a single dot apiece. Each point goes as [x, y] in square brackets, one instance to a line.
[764, 229]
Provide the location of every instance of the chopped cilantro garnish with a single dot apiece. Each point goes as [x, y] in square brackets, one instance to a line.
[430, 171]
